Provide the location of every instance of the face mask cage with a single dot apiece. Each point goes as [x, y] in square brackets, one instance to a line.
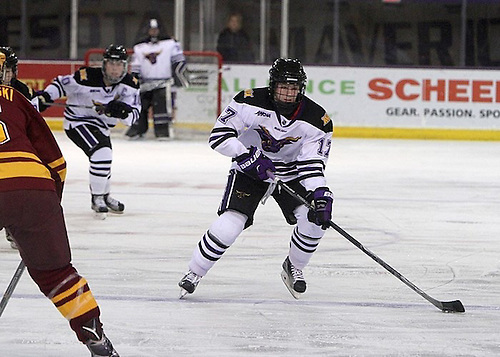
[8, 68]
[287, 82]
[109, 62]
[2, 73]
[287, 93]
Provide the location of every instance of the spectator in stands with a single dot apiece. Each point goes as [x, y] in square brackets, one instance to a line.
[233, 43]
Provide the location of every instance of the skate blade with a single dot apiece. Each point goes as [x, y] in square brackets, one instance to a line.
[115, 212]
[286, 281]
[100, 215]
[183, 293]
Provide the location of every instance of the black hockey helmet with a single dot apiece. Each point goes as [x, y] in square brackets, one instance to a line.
[287, 70]
[115, 53]
[8, 59]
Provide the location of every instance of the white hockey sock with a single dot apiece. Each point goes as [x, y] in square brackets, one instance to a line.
[220, 236]
[305, 239]
[100, 171]
[302, 248]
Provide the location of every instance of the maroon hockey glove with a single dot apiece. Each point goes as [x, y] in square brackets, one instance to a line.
[322, 200]
[255, 163]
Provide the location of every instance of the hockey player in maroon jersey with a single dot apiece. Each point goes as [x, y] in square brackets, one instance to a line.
[96, 99]
[9, 78]
[272, 129]
[32, 173]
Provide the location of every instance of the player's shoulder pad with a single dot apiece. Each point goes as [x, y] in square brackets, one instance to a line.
[258, 97]
[23, 88]
[315, 114]
[89, 76]
[131, 81]
[11, 94]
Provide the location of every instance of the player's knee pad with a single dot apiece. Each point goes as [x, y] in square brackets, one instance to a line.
[306, 227]
[228, 226]
[103, 153]
[51, 281]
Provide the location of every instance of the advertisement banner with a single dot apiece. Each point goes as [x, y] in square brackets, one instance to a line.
[391, 97]
[39, 74]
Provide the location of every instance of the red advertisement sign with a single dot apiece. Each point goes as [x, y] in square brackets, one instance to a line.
[38, 74]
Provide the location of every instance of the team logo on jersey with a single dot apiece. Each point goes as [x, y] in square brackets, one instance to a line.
[83, 74]
[152, 57]
[326, 119]
[271, 144]
[241, 194]
[248, 93]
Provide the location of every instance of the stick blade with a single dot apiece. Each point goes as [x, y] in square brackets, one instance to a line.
[452, 306]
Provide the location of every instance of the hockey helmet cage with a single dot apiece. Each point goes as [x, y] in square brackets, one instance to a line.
[115, 53]
[287, 70]
[8, 59]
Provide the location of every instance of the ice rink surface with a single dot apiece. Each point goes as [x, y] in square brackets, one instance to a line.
[430, 209]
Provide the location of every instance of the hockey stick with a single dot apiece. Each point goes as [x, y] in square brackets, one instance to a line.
[97, 106]
[445, 306]
[64, 105]
[12, 285]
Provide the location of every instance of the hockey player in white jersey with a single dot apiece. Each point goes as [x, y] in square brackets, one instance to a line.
[160, 65]
[273, 129]
[96, 99]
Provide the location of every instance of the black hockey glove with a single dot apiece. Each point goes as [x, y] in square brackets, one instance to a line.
[255, 163]
[322, 200]
[117, 109]
[43, 99]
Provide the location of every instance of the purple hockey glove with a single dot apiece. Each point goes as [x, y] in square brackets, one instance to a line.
[322, 200]
[255, 163]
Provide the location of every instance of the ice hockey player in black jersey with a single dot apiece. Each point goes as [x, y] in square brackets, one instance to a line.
[273, 129]
[96, 99]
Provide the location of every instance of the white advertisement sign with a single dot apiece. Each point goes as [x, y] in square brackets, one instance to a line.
[390, 97]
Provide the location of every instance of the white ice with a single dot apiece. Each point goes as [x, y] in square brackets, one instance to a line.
[430, 209]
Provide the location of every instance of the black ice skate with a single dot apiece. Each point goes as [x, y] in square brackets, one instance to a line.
[98, 344]
[133, 133]
[114, 205]
[293, 279]
[189, 283]
[99, 206]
